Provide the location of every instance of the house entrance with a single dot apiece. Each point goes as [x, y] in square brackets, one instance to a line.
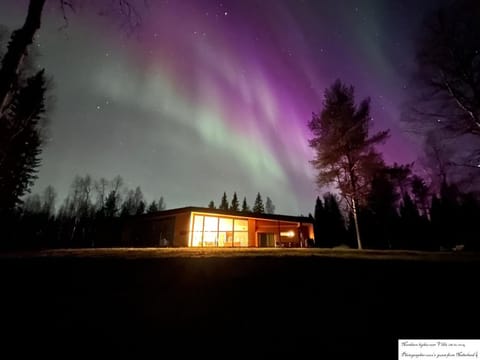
[266, 240]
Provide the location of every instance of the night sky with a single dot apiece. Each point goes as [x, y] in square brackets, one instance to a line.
[214, 96]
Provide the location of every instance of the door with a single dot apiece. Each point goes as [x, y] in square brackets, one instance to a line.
[266, 240]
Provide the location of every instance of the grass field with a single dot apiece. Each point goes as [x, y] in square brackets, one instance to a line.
[299, 303]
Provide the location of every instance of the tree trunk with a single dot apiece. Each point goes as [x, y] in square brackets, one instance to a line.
[17, 49]
[353, 182]
[355, 218]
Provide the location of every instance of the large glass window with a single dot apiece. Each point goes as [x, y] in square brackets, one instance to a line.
[240, 238]
[241, 225]
[211, 224]
[225, 224]
[219, 232]
[210, 231]
[198, 223]
[197, 234]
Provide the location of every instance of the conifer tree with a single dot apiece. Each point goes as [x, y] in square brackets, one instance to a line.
[345, 154]
[21, 141]
[269, 207]
[161, 204]
[235, 205]
[334, 231]
[319, 222]
[245, 207]
[258, 207]
[153, 207]
[224, 202]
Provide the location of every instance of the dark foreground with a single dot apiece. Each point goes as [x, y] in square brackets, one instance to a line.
[298, 304]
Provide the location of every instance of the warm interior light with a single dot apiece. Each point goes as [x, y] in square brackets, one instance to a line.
[214, 231]
[289, 234]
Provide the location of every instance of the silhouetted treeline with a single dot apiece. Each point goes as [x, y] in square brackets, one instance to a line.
[258, 207]
[387, 206]
[403, 219]
[91, 215]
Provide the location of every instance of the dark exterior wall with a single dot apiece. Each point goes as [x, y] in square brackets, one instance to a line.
[182, 229]
[149, 232]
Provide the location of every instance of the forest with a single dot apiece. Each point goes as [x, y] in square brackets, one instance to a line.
[375, 205]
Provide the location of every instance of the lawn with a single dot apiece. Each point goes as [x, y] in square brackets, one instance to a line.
[254, 302]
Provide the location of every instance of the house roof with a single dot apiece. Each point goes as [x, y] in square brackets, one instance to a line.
[301, 219]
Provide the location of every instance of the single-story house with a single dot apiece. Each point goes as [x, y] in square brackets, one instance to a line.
[204, 227]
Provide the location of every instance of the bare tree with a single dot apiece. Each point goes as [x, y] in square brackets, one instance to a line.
[114, 197]
[49, 197]
[134, 203]
[421, 194]
[101, 189]
[437, 159]
[80, 196]
[448, 60]
[445, 96]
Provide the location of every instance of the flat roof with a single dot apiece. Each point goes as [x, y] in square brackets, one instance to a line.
[301, 219]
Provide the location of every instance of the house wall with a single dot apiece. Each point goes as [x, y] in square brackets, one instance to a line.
[182, 229]
[252, 234]
[307, 231]
[174, 230]
[149, 232]
[277, 227]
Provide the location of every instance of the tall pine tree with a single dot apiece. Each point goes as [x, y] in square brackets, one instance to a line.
[245, 207]
[224, 202]
[269, 207]
[21, 127]
[344, 152]
[334, 231]
[258, 207]
[235, 205]
[319, 222]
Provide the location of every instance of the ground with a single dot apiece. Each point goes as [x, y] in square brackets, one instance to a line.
[302, 302]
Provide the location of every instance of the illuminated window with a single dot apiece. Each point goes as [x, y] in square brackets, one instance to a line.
[225, 239]
[210, 238]
[219, 232]
[289, 234]
[198, 223]
[211, 224]
[241, 238]
[225, 224]
[241, 225]
[197, 238]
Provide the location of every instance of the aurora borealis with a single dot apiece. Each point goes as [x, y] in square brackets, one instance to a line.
[214, 96]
